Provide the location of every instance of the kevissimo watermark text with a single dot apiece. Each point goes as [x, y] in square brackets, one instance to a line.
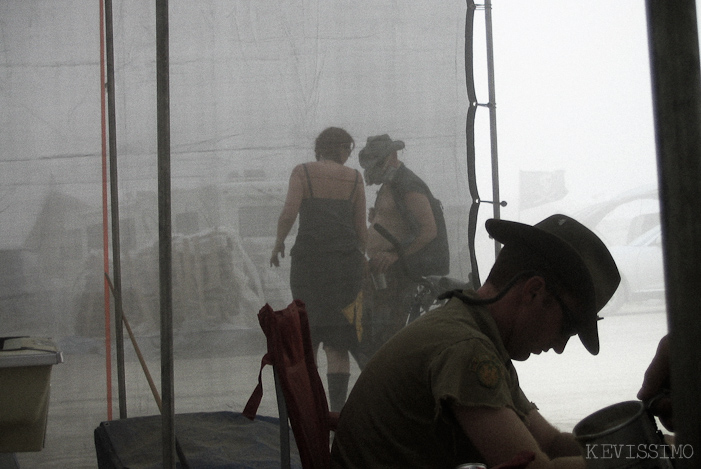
[640, 451]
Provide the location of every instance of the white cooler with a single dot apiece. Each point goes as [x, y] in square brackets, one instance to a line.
[25, 373]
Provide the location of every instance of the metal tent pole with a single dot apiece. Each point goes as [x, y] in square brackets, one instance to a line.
[676, 91]
[114, 196]
[164, 233]
[470, 142]
[105, 218]
[470, 132]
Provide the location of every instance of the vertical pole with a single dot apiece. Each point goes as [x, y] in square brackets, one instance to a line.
[284, 423]
[496, 200]
[470, 142]
[114, 195]
[164, 233]
[676, 91]
[105, 218]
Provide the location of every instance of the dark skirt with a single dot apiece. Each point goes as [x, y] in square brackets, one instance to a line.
[327, 283]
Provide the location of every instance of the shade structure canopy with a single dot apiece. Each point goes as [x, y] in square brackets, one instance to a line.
[251, 85]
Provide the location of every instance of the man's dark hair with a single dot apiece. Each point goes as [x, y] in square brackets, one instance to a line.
[330, 142]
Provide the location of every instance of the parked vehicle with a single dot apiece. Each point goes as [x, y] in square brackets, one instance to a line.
[642, 274]
[630, 225]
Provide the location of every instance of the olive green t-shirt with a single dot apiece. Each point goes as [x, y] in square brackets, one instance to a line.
[398, 413]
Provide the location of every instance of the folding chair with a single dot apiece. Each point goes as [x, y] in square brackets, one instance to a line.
[300, 392]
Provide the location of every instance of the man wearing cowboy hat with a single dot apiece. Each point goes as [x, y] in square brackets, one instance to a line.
[405, 208]
[443, 391]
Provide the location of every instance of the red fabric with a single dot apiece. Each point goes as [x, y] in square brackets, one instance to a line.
[290, 352]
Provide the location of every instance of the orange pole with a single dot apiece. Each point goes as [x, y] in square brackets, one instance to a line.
[105, 224]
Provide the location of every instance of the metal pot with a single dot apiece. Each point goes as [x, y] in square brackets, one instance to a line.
[623, 435]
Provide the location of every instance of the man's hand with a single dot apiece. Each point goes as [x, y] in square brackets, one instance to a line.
[656, 382]
[382, 261]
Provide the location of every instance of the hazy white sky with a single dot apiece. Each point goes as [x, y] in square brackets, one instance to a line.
[573, 93]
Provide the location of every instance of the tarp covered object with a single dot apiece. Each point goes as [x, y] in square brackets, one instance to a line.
[209, 440]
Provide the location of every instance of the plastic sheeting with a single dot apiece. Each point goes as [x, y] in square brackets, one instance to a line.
[209, 440]
[252, 84]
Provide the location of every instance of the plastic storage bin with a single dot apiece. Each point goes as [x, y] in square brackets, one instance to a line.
[25, 373]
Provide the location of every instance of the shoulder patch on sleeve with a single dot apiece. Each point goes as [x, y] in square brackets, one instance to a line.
[488, 371]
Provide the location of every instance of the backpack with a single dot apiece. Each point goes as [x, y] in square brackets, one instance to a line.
[434, 258]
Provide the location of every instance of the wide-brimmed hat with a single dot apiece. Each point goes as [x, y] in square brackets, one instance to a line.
[377, 148]
[577, 256]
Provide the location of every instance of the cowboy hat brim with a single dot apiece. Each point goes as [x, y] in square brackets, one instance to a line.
[577, 255]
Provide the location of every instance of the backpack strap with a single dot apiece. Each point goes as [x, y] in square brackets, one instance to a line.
[355, 183]
[309, 181]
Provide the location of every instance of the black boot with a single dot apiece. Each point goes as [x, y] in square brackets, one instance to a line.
[338, 389]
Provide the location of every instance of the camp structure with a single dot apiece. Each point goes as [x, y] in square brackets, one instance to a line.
[174, 140]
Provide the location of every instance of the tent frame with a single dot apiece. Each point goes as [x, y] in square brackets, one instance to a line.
[676, 89]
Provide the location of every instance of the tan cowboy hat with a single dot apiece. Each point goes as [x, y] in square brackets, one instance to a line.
[577, 256]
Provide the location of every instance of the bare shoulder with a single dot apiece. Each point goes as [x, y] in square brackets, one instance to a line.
[299, 169]
[334, 170]
[353, 173]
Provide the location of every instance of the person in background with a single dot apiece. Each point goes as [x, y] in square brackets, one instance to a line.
[444, 391]
[406, 208]
[327, 257]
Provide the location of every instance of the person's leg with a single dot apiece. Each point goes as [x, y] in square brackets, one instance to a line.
[365, 348]
[338, 375]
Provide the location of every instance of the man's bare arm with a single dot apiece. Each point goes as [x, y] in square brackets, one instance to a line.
[554, 443]
[293, 201]
[499, 435]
